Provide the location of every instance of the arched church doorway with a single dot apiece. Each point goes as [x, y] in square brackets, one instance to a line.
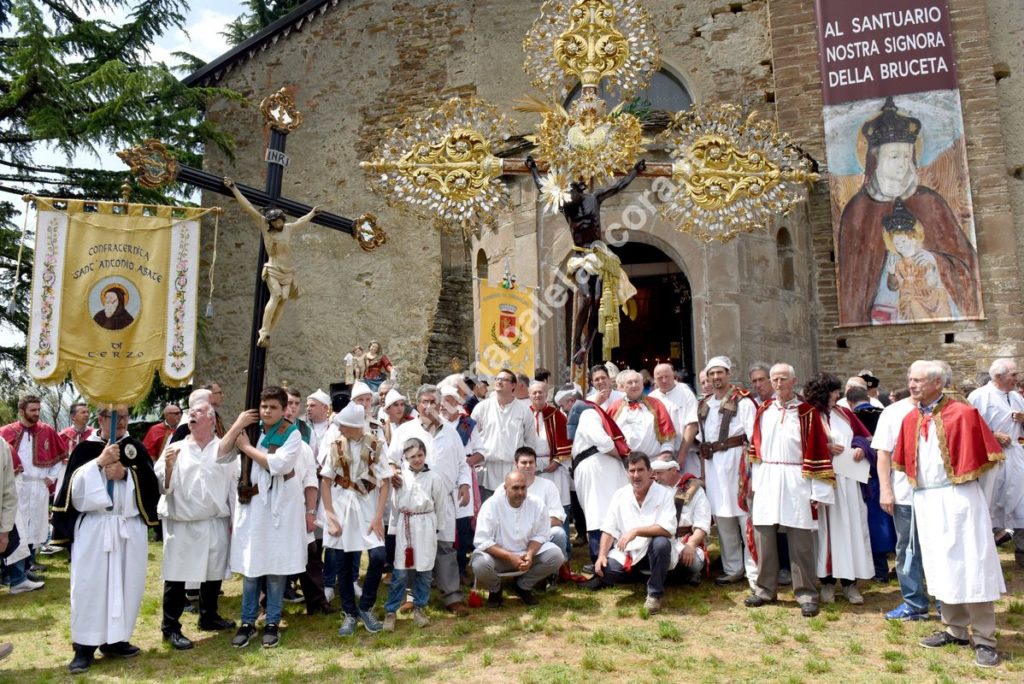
[662, 331]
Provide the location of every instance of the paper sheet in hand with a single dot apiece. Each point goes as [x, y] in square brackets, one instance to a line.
[843, 464]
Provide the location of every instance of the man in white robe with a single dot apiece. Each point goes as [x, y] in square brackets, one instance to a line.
[791, 476]
[446, 459]
[598, 470]
[694, 513]
[195, 509]
[97, 511]
[268, 533]
[1002, 407]
[602, 392]
[943, 448]
[682, 406]
[513, 533]
[726, 418]
[637, 534]
[504, 425]
[645, 422]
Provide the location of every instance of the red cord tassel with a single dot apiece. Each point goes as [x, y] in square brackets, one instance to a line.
[408, 558]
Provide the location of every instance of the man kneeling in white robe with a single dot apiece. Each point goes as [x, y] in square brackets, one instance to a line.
[195, 507]
[97, 511]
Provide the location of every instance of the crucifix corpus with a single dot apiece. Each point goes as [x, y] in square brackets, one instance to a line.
[154, 167]
[728, 172]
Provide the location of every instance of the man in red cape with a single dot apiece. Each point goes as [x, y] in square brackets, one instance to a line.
[791, 475]
[944, 447]
[644, 421]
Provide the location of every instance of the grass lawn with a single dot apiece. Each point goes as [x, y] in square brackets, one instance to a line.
[704, 634]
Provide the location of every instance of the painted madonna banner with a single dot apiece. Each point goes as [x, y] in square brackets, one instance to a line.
[114, 297]
[508, 327]
[902, 217]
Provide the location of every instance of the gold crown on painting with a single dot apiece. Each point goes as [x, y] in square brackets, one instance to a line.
[900, 220]
[891, 127]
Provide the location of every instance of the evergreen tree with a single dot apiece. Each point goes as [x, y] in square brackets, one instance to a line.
[260, 15]
[73, 82]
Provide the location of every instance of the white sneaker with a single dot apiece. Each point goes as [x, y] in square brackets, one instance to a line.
[357, 589]
[329, 594]
[853, 595]
[828, 593]
[26, 585]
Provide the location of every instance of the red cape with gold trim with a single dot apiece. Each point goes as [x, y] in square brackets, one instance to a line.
[664, 429]
[555, 425]
[967, 444]
[48, 447]
[817, 460]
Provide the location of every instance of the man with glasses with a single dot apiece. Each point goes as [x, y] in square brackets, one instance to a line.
[505, 425]
[107, 500]
[157, 436]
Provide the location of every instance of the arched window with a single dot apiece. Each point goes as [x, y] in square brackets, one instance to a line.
[784, 251]
[481, 265]
[665, 92]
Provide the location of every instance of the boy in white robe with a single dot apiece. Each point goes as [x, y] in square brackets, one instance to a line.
[355, 487]
[417, 504]
[97, 511]
[269, 534]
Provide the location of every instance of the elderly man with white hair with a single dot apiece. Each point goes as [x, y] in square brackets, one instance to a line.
[790, 477]
[645, 422]
[726, 420]
[1002, 407]
[197, 486]
[318, 416]
[943, 447]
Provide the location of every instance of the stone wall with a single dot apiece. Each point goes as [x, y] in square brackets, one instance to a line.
[363, 67]
[967, 346]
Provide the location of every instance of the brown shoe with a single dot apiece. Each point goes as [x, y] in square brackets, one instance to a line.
[405, 607]
[459, 608]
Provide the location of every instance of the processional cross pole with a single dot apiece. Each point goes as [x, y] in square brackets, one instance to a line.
[155, 167]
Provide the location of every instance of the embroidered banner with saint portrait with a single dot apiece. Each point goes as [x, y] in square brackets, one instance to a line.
[114, 297]
[508, 329]
[902, 217]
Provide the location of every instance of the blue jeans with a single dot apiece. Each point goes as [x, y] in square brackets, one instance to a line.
[371, 582]
[657, 559]
[251, 598]
[912, 582]
[420, 589]
[16, 572]
[332, 558]
[594, 541]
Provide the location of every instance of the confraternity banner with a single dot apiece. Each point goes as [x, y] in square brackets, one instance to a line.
[508, 327]
[114, 297]
[902, 218]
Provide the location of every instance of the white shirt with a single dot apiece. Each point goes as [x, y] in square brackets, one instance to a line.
[503, 429]
[613, 396]
[886, 433]
[200, 486]
[637, 424]
[317, 432]
[625, 514]
[445, 458]
[682, 407]
[498, 524]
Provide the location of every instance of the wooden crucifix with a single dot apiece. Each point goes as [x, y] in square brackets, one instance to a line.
[154, 167]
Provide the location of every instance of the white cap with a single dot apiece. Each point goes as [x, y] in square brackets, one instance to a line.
[352, 416]
[719, 362]
[449, 391]
[391, 397]
[563, 394]
[320, 396]
[359, 389]
[661, 464]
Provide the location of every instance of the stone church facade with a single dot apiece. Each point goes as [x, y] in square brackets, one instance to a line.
[357, 69]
